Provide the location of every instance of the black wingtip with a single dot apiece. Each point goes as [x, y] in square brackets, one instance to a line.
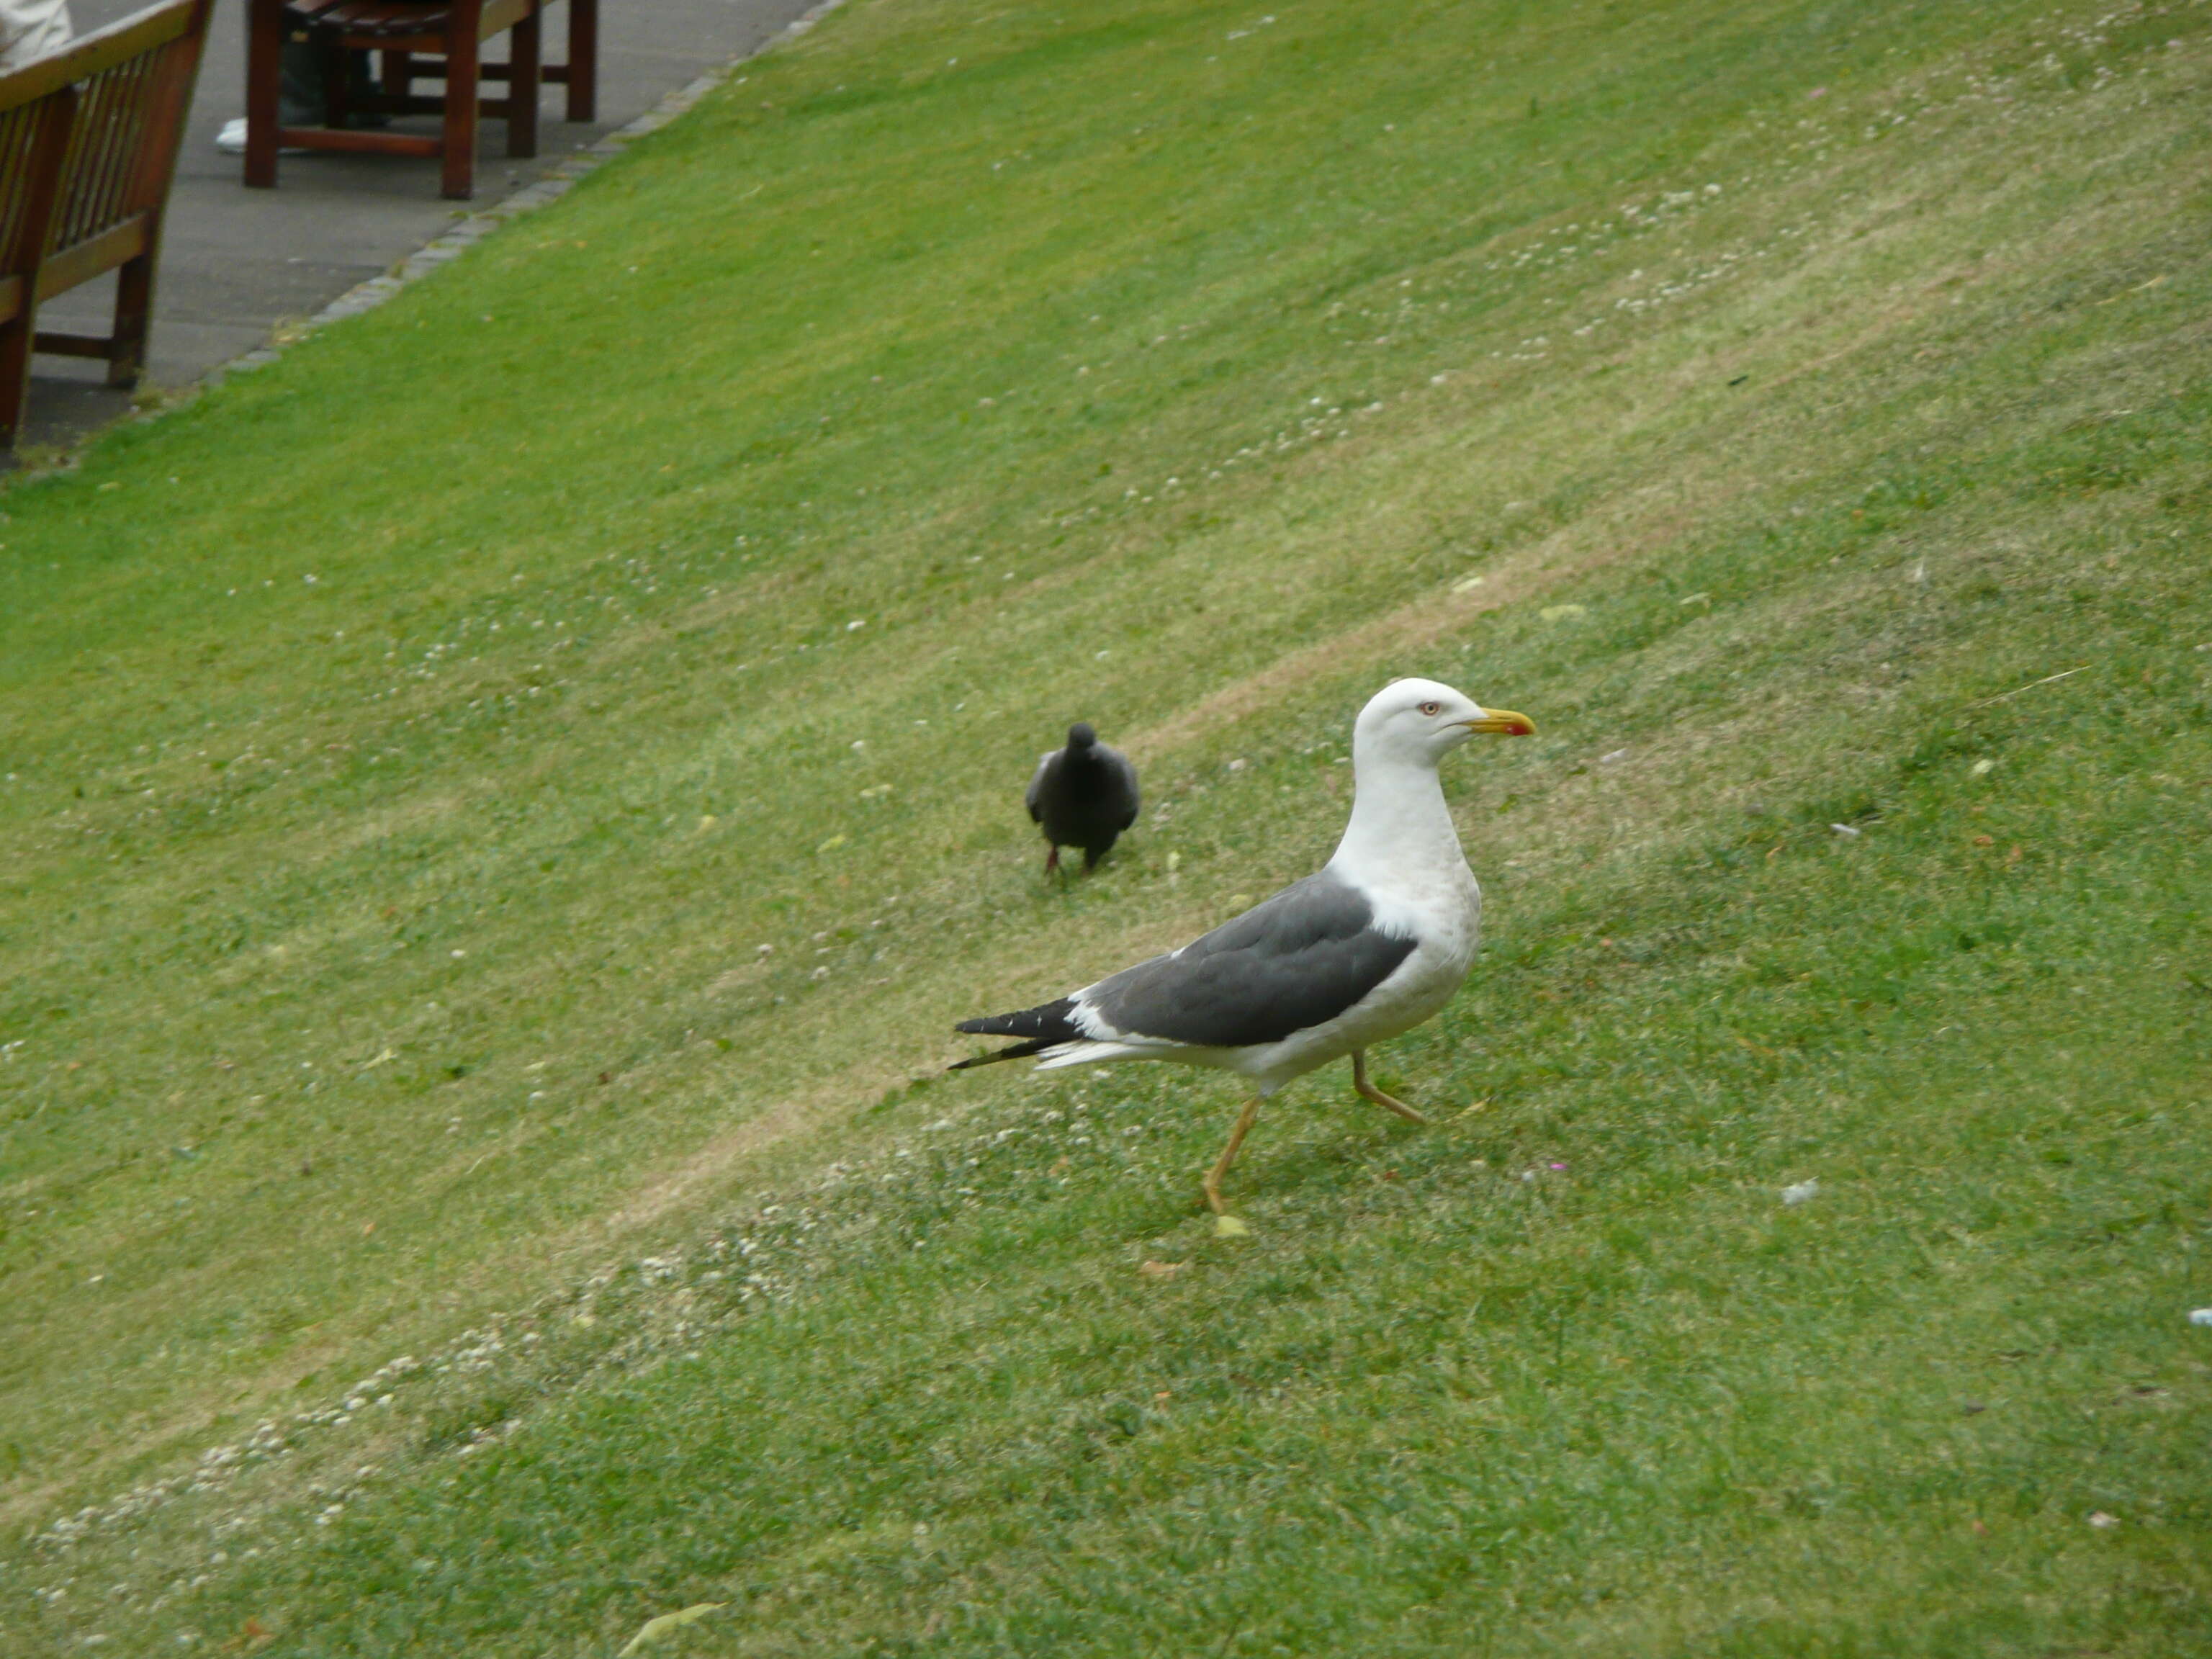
[1045, 1027]
[1047, 1022]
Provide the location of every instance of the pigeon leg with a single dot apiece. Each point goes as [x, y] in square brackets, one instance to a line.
[1052, 859]
[1369, 1091]
[1224, 1222]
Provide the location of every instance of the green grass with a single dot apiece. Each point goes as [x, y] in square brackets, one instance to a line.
[406, 749]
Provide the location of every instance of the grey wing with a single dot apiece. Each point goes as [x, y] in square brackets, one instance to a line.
[1125, 777]
[1294, 961]
[1033, 797]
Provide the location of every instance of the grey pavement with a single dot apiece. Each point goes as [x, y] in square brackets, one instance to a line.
[237, 262]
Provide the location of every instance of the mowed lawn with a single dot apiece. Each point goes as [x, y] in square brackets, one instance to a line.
[500, 811]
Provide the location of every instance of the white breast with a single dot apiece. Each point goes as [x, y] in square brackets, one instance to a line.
[1442, 916]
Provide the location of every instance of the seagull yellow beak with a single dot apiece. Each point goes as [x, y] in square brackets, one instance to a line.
[1502, 723]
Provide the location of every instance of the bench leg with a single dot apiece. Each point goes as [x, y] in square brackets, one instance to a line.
[462, 49]
[583, 60]
[398, 75]
[14, 375]
[134, 316]
[264, 46]
[525, 58]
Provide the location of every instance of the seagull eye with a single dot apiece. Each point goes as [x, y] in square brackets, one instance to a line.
[1432, 708]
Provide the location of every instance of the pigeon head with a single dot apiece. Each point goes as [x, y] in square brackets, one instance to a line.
[1418, 722]
[1080, 737]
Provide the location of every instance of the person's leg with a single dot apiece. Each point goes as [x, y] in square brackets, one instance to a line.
[302, 88]
[300, 83]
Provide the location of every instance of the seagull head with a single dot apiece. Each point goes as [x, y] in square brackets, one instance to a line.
[1080, 737]
[1419, 722]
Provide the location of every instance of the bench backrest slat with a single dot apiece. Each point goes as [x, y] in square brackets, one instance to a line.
[18, 132]
[109, 123]
[33, 138]
[123, 150]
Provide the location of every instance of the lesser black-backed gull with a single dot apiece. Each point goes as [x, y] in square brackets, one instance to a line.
[1366, 949]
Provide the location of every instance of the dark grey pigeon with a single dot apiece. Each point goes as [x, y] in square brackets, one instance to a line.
[1084, 795]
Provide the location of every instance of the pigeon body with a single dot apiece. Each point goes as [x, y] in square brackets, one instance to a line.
[1367, 948]
[1084, 795]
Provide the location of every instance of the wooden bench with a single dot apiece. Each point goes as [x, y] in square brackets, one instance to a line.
[412, 39]
[88, 141]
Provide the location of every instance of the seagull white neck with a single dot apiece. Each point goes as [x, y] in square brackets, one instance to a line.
[1400, 824]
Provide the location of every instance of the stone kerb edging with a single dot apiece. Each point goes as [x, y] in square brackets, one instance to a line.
[443, 250]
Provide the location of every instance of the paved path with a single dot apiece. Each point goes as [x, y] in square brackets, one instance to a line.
[235, 262]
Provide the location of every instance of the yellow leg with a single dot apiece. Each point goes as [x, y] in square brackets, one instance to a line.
[1359, 1081]
[1223, 1221]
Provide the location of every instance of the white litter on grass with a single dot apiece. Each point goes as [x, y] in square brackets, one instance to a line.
[2103, 1522]
[654, 1630]
[1844, 830]
[2200, 1315]
[1800, 1192]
